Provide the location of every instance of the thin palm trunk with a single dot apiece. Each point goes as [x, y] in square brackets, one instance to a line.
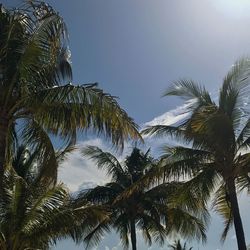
[133, 234]
[236, 215]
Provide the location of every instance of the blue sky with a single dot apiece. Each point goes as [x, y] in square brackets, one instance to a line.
[135, 48]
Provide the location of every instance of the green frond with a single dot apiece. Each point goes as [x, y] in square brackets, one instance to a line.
[189, 89]
[121, 224]
[96, 234]
[234, 93]
[212, 130]
[243, 181]
[185, 224]
[103, 194]
[183, 161]
[152, 177]
[23, 161]
[204, 182]
[87, 216]
[82, 107]
[243, 144]
[243, 135]
[36, 137]
[36, 41]
[61, 154]
[152, 229]
[106, 161]
[164, 130]
[181, 152]
[221, 205]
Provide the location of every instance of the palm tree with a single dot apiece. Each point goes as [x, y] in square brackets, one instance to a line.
[153, 210]
[37, 97]
[177, 246]
[33, 214]
[216, 156]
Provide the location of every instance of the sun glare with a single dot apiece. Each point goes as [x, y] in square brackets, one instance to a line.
[234, 8]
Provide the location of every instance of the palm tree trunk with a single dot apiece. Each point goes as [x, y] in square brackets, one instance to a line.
[133, 234]
[236, 215]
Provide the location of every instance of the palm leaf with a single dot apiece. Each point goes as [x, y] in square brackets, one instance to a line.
[190, 90]
[106, 161]
[222, 206]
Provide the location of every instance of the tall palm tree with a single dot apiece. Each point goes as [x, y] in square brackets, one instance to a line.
[178, 246]
[216, 156]
[36, 95]
[33, 214]
[153, 210]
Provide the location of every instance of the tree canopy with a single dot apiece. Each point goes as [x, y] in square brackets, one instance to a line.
[216, 155]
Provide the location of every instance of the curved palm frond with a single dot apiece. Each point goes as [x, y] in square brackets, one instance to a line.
[82, 107]
[163, 130]
[222, 206]
[36, 137]
[102, 194]
[97, 233]
[189, 89]
[106, 161]
[183, 161]
[35, 72]
[234, 92]
[185, 224]
[152, 229]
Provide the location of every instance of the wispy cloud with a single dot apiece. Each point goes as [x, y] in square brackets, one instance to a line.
[171, 117]
[78, 172]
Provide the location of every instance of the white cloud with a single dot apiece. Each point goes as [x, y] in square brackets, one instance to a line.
[78, 171]
[173, 116]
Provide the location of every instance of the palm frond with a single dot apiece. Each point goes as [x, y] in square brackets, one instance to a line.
[205, 182]
[102, 194]
[221, 205]
[152, 229]
[243, 136]
[189, 89]
[234, 92]
[121, 224]
[164, 130]
[82, 107]
[106, 161]
[183, 161]
[37, 138]
[97, 233]
[185, 224]
[61, 154]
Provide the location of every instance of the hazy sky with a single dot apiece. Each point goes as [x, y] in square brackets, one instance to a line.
[135, 48]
